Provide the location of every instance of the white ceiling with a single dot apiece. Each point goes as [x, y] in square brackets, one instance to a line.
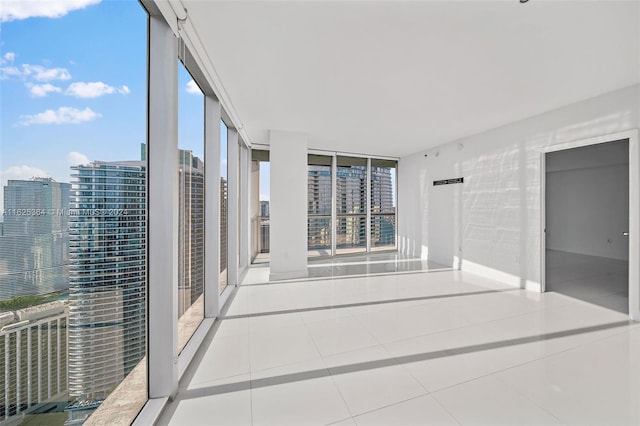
[396, 77]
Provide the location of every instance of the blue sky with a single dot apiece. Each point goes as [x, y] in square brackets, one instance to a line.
[73, 87]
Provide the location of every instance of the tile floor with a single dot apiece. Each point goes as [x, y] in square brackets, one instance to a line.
[589, 278]
[431, 347]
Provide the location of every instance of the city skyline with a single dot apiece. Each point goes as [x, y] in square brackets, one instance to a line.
[34, 238]
[107, 279]
[67, 98]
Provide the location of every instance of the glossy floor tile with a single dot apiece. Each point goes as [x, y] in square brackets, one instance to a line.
[428, 347]
[593, 279]
[349, 265]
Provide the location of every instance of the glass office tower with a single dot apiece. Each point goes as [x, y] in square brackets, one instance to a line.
[107, 278]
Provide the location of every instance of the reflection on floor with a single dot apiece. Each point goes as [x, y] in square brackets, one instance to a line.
[598, 280]
[352, 266]
[441, 348]
[368, 264]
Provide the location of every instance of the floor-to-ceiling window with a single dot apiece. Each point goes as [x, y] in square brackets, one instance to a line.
[351, 204]
[190, 205]
[319, 205]
[362, 204]
[383, 204]
[259, 205]
[73, 196]
[224, 204]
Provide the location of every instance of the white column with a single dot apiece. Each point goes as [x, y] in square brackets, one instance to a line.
[212, 113]
[162, 211]
[368, 203]
[233, 160]
[245, 241]
[288, 205]
[334, 204]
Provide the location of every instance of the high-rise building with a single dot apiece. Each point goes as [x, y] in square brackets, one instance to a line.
[383, 218]
[34, 341]
[191, 230]
[264, 208]
[351, 193]
[191, 227]
[107, 277]
[34, 258]
[224, 216]
[319, 207]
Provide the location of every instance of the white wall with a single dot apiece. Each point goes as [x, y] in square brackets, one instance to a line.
[587, 200]
[288, 205]
[492, 220]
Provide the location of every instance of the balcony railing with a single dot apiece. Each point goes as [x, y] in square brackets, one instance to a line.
[351, 230]
[263, 236]
[383, 230]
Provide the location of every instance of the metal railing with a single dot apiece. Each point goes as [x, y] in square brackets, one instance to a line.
[263, 237]
[383, 230]
[319, 232]
[351, 231]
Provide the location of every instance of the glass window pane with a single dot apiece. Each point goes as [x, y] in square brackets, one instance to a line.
[260, 174]
[73, 230]
[351, 201]
[319, 206]
[224, 202]
[190, 206]
[383, 204]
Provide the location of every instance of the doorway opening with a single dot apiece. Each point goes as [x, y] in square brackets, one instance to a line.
[586, 217]
[260, 190]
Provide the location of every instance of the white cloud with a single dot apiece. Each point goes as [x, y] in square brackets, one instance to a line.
[9, 57]
[22, 173]
[41, 90]
[63, 115]
[94, 89]
[193, 88]
[41, 73]
[18, 173]
[34, 72]
[13, 10]
[74, 158]
[8, 72]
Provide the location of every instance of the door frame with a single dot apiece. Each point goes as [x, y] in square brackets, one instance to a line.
[634, 209]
